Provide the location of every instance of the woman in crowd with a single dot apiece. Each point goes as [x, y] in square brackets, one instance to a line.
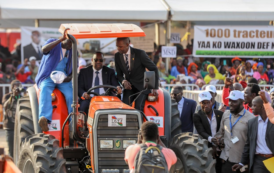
[248, 68]
[200, 83]
[235, 64]
[204, 68]
[270, 73]
[241, 75]
[259, 74]
[193, 72]
[179, 68]
[213, 76]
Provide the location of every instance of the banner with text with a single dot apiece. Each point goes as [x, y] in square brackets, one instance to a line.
[230, 41]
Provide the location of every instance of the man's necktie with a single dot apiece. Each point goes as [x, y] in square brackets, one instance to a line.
[96, 82]
[127, 64]
[39, 52]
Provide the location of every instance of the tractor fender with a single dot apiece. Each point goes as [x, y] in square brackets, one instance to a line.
[34, 108]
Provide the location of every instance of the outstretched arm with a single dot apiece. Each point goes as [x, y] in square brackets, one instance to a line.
[48, 47]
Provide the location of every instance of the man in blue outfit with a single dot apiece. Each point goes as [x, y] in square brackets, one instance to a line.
[57, 56]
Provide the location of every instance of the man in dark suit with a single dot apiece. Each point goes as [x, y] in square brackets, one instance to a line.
[130, 66]
[94, 75]
[207, 123]
[34, 48]
[186, 108]
[260, 142]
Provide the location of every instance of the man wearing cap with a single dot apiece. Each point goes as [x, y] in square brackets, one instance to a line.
[232, 134]
[260, 142]
[32, 67]
[207, 123]
[186, 108]
[215, 105]
[179, 68]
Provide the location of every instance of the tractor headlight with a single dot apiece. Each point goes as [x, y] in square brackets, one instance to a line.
[127, 143]
[106, 143]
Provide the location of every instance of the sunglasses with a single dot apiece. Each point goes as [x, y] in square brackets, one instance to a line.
[100, 60]
[173, 94]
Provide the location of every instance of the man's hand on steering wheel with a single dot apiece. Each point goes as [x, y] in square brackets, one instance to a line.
[119, 90]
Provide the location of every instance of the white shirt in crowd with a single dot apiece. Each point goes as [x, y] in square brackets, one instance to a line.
[101, 90]
[262, 147]
[249, 73]
[128, 57]
[213, 126]
[181, 105]
[37, 47]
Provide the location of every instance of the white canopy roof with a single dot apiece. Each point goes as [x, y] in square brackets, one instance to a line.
[84, 9]
[222, 10]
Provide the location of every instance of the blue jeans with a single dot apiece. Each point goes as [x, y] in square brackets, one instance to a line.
[9, 139]
[45, 102]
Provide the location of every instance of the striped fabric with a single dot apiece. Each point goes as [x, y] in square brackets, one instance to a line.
[127, 62]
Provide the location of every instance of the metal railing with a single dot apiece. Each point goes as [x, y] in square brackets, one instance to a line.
[221, 86]
[185, 86]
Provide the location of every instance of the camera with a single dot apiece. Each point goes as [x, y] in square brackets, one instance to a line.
[19, 89]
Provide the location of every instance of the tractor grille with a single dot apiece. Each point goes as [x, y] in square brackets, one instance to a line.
[114, 158]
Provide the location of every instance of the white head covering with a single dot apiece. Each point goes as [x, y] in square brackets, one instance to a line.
[251, 62]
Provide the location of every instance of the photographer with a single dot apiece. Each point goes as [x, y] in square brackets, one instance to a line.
[10, 104]
[20, 73]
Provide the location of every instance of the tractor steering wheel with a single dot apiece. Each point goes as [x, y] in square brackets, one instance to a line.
[100, 86]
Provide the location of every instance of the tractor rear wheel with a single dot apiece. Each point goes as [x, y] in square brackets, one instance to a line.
[23, 124]
[41, 153]
[194, 153]
[175, 119]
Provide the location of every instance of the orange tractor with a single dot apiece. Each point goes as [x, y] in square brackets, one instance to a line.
[96, 142]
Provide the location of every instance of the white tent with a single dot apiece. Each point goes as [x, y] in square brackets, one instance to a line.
[222, 10]
[142, 10]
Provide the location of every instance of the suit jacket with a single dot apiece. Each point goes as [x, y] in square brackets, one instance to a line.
[30, 51]
[139, 61]
[202, 125]
[85, 79]
[251, 142]
[187, 115]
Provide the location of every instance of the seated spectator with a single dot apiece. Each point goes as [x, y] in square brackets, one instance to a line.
[200, 83]
[185, 62]
[32, 67]
[182, 79]
[204, 71]
[20, 74]
[179, 69]
[215, 105]
[9, 74]
[161, 69]
[207, 123]
[260, 75]
[193, 72]
[149, 136]
[186, 108]
[270, 73]
[241, 76]
[213, 75]
[235, 64]
[248, 70]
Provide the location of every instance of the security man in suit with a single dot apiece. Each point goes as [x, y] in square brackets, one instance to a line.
[186, 108]
[92, 76]
[131, 63]
[207, 123]
[260, 142]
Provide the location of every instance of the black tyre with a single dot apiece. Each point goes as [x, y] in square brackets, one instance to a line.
[41, 153]
[175, 119]
[194, 153]
[23, 124]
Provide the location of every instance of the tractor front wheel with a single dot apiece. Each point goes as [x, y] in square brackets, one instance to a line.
[193, 153]
[41, 153]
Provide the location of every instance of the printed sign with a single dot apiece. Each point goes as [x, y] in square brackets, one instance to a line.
[117, 120]
[175, 38]
[158, 120]
[54, 126]
[169, 51]
[231, 41]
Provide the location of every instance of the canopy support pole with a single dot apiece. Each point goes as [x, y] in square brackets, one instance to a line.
[36, 23]
[157, 34]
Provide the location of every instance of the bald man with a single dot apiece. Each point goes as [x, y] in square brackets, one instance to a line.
[260, 142]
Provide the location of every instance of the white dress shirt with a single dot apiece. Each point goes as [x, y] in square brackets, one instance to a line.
[261, 147]
[181, 105]
[101, 90]
[128, 57]
[36, 47]
[213, 126]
